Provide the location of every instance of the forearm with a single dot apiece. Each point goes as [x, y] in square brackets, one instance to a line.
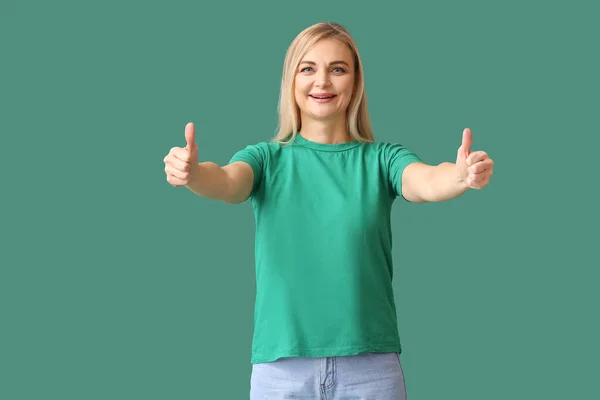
[209, 180]
[443, 183]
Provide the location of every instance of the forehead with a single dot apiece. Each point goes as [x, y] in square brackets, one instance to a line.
[327, 50]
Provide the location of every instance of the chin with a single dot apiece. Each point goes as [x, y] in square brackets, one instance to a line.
[324, 116]
[322, 112]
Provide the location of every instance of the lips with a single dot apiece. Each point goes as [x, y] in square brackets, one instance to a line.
[322, 95]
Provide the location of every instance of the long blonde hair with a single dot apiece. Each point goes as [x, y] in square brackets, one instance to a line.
[358, 121]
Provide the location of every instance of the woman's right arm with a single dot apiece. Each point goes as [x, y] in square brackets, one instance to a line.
[231, 183]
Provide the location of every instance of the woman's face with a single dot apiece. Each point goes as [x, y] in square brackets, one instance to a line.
[326, 70]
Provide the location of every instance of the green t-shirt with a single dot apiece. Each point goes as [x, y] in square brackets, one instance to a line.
[324, 247]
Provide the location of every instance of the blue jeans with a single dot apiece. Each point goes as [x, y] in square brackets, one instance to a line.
[360, 377]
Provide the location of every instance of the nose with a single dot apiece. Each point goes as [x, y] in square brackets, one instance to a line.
[322, 78]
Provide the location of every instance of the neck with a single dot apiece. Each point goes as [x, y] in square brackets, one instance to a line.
[326, 132]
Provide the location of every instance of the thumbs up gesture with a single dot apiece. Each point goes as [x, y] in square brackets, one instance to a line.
[181, 164]
[474, 168]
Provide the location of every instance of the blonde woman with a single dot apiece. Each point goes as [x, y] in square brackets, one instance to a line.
[322, 191]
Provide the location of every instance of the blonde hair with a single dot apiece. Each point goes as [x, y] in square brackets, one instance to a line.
[358, 121]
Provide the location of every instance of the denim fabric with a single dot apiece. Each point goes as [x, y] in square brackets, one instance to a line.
[366, 376]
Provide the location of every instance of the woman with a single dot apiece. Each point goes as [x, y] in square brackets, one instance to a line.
[322, 190]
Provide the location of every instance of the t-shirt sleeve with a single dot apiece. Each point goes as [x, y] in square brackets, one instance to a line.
[254, 155]
[397, 157]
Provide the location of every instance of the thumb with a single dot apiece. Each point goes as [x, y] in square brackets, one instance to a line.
[190, 137]
[467, 139]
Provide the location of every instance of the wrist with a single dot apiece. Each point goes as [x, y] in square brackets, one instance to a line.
[461, 179]
[194, 177]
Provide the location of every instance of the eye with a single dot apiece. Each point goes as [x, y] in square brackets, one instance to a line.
[338, 70]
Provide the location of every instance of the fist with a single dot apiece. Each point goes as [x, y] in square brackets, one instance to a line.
[181, 164]
[474, 168]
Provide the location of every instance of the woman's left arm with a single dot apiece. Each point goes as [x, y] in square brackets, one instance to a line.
[434, 183]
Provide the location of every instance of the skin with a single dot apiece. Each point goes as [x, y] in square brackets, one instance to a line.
[328, 67]
[434, 183]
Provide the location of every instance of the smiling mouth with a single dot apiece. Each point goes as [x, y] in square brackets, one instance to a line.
[322, 97]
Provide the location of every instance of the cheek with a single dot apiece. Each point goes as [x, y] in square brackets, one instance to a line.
[300, 99]
[348, 94]
[349, 87]
[300, 86]
[298, 91]
[298, 95]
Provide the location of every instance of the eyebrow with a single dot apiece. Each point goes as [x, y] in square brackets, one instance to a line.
[331, 63]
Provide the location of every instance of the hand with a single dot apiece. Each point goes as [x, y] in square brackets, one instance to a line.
[181, 164]
[474, 169]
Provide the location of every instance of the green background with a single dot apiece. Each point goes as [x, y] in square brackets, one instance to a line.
[115, 285]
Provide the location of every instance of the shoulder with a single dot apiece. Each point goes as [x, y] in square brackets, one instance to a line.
[266, 146]
[392, 148]
[258, 148]
[385, 150]
[394, 156]
[387, 146]
[257, 154]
